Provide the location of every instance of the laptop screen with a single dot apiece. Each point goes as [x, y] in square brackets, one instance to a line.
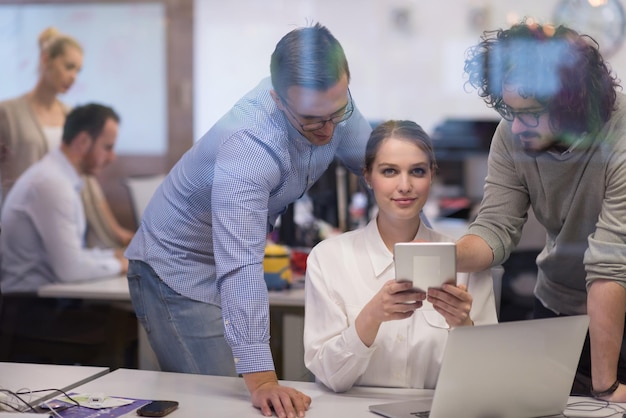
[518, 369]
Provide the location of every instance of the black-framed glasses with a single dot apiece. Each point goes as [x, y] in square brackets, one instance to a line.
[528, 118]
[314, 126]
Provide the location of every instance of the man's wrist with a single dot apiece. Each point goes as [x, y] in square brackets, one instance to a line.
[606, 392]
[255, 380]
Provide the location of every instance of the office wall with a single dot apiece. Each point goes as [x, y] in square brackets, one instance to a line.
[124, 62]
[406, 56]
[138, 58]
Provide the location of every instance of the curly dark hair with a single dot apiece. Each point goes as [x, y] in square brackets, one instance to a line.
[560, 68]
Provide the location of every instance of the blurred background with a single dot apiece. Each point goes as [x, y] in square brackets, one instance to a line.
[171, 68]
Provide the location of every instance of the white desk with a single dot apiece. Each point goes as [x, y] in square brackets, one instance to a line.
[288, 305]
[224, 397]
[116, 289]
[25, 376]
[109, 289]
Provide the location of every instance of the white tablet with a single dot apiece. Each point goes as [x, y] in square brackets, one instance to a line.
[426, 264]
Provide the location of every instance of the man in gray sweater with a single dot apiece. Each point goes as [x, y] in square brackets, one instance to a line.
[560, 149]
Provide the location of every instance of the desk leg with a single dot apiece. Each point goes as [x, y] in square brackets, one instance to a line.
[276, 340]
[286, 332]
[147, 358]
[293, 348]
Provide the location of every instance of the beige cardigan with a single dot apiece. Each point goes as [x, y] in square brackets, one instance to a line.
[22, 143]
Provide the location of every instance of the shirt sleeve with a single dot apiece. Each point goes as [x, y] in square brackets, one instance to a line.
[355, 134]
[244, 176]
[504, 208]
[55, 213]
[604, 258]
[480, 286]
[333, 351]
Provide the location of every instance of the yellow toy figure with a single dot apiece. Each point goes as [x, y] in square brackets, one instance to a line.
[277, 266]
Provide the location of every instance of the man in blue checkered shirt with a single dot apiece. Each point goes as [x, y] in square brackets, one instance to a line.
[196, 262]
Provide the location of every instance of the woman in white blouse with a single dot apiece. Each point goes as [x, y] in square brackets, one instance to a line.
[361, 326]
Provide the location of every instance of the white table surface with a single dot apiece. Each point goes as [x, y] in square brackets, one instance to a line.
[224, 397]
[116, 289]
[227, 397]
[27, 376]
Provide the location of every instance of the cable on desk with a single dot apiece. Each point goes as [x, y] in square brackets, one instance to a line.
[26, 391]
[611, 409]
[16, 395]
[53, 410]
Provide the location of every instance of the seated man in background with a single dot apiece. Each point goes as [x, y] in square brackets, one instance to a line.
[43, 238]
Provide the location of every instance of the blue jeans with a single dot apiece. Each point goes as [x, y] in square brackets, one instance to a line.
[187, 336]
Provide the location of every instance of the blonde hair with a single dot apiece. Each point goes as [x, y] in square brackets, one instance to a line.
[53, 43]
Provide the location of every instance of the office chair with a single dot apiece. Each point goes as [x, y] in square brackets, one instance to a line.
[141, 189]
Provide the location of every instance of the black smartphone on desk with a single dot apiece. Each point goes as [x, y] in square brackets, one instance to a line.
[157, 408]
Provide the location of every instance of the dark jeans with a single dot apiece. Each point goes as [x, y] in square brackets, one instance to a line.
[582, 381]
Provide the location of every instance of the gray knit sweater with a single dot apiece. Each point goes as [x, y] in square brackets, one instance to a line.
[580, 199]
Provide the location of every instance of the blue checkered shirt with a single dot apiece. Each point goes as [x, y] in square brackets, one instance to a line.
[204, 230]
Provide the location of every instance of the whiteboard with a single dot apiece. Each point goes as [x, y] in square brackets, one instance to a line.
[124, 62]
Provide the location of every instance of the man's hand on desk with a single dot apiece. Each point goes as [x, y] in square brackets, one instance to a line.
[267, 394]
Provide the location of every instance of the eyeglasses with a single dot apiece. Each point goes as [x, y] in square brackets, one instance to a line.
[314, 126]
[530, 119]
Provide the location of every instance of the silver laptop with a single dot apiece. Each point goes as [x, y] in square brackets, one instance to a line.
[518, 369]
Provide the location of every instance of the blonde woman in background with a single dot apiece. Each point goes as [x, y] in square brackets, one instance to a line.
[31, 125]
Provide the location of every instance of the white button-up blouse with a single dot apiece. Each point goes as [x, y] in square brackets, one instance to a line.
[343, 274]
